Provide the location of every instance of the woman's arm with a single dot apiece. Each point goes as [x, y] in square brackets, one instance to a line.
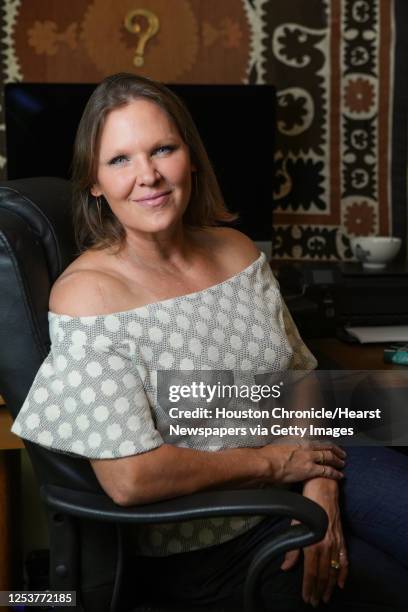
[171, 471]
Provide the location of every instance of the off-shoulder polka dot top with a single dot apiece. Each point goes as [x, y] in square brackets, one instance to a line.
[94, 395]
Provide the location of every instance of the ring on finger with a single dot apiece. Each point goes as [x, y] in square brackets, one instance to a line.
[324, 470]
[334, 564]
[321, 458]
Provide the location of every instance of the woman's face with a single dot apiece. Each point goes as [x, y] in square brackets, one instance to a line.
[143, 168]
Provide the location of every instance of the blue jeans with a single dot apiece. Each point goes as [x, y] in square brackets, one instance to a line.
[374, 501]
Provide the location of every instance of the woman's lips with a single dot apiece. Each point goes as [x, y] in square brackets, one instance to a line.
[153, 200]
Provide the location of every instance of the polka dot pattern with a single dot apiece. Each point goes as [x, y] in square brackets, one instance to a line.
[95, 394]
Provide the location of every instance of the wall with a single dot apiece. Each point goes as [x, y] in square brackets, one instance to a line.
[339, 66]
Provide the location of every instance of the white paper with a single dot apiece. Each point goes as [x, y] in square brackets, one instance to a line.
[382, 333]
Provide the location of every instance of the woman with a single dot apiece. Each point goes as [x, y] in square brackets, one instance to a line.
[160, 285]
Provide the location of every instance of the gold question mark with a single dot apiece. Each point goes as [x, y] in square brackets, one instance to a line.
[133, 26]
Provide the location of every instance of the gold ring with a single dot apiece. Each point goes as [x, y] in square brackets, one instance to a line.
[335, 564]
[321, 458]
[324, 470]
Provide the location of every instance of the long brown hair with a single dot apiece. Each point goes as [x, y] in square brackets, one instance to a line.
[95, 224]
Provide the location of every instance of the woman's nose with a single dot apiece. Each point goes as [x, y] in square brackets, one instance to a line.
[146, 172]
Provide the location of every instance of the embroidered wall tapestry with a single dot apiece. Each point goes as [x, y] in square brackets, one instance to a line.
[340, 158]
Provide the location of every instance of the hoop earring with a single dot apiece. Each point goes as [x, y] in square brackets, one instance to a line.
[99, 207]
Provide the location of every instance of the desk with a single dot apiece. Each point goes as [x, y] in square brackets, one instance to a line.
[351, 356]
[10, 549]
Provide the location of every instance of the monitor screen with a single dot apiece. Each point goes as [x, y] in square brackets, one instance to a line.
[236, 123]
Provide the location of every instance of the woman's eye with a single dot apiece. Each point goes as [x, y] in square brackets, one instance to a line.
[164, 150]
[119, 159]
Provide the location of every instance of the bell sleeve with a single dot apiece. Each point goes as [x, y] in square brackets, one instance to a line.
[88, 399]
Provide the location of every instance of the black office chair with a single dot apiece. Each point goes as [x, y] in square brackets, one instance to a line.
[85, 526]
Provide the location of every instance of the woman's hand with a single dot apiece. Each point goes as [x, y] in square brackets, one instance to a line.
[319, 575]
[287, 463]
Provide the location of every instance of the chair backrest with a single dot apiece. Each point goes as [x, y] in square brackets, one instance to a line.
[36, 245]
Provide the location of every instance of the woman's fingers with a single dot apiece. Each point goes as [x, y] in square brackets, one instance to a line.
[328, 457]
[343, 571]
[290, 560]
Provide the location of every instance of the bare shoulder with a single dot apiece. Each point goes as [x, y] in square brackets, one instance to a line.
[235, 247]
[83, 290]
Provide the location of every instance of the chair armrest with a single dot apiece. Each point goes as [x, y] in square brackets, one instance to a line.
[266, 502]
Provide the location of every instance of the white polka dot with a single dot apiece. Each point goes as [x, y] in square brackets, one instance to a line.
[101, 413]
[83, 422]
[204, 312]
[112, 323]
[186, 530]
[163, 316]
[109, 387]
[106, 454]
[253, 348]
[166, 359]
[230, 360]
[60, 334]
[74, 378]
[242, 309]
[218, 335]
[45, 438]
[213, 353]
[116, 363]
[65, 430]
[88, 321]
[129, 380]
[143, 312]
[121, 405]
[146, 352]
[182, 321]
[236, 342]
[207, 298]
[225, 304]
[78, 447]
[41, 395]
[47, 370]
[186, 364]
[156, 538]
[257, 331]
[133, 423]
[79, 337]
[155, 334]
[259, 316]
[243, 296]
[146, 440]
[102, 343]
[270, 354]
[176, 340]
[206, 536]
[244, 281]
[16, 429]
[222, 318]
[217, 521]
[227, 289]
[88, 395]
[52, 412]
[33, 420]
[202, 328]
[239, 325]
[77, 352]
[94, 369]
[127, 448]
[246, 364]
[195, 346]
[174, 546]
[237, 523]
[70, 404]
[114, 431]
[61, 363]
[94, 439]
[135, 329]
[57, 386]
[187, 307]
